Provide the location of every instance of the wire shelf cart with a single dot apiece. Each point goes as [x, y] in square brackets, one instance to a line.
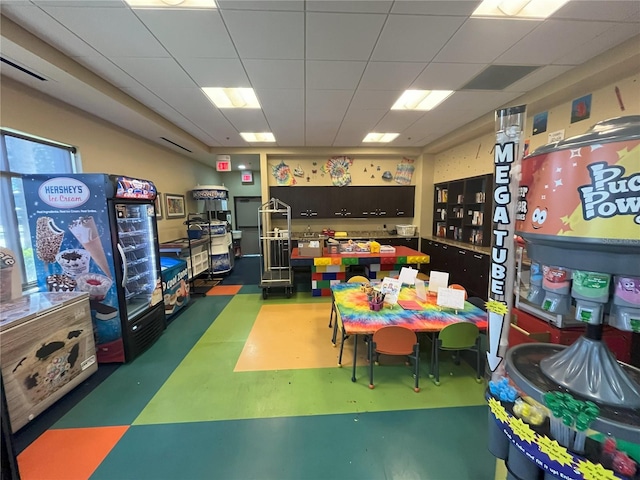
[275, 247]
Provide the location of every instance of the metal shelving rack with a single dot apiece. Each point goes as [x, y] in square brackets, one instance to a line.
[275, 248]
[203, 220]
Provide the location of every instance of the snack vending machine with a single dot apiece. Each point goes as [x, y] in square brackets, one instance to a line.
[97, 233]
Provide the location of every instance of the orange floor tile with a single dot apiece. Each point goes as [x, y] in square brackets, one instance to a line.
[224, 290]
[270, 345]
[68, 454]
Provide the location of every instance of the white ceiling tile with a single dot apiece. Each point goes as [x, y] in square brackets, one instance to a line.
[434, 7]
[282, 105]
[364, 118]
[327, 104]
[333, 75]
[48, 29]
[189, 33]
[614, 35]
[267, 35]
[81, 3]
[481, 40]
[291, 5]
[288, 133]
[247, 120]
[275, 73]
[319, 134]
[538, 77]
[414, 38]
[447, 76]
[375, 99]
[216, 72]
[551, 40]
[109, 71]
[600, 10]
[397, 121]
[196, 107]
[154, 72]
[349, 6]
[332, 36]
[390, 75]
[96, 26]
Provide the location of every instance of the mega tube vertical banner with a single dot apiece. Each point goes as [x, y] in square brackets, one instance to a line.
[507, 155]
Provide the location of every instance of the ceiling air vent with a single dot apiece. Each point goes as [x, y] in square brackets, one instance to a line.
[176, 145]
[22, 69]
[499, 77]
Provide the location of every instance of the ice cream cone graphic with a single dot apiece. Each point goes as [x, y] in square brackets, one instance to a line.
[85, 230]
[48, 239]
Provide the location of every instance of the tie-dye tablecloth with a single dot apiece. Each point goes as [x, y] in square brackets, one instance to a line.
[358, 319]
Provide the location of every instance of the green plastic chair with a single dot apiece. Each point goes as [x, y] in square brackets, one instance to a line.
[455, 337]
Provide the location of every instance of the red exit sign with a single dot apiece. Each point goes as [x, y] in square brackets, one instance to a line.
[223, 166]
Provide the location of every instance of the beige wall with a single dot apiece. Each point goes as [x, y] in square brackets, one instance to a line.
[475, 157]
[104, 147]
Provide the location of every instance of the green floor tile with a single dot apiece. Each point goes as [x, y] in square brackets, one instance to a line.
[123, 395]
[216, 392]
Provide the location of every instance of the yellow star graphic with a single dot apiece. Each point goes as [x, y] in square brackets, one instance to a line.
[555, 451]
[623, 152]
[498, 410]
[522, 430]
[594, 471]
[496, 307]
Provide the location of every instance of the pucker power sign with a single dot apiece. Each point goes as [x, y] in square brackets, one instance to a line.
[588, 192]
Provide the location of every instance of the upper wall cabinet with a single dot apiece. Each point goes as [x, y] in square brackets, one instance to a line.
[463, 208]
[348, 202]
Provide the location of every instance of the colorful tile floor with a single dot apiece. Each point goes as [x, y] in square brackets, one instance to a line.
[244, 388]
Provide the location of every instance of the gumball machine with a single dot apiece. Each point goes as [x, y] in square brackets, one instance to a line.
[579, 214]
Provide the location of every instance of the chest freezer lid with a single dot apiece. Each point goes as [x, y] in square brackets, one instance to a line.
[30, 306]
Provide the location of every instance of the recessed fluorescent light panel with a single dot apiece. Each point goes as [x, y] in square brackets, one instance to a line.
[380, 137]
[258, 137]
[421, 99]
[518, 8]
[171, 3]
[232, 97]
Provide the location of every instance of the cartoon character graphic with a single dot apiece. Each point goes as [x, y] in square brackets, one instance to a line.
[538, 217]
[628, 290]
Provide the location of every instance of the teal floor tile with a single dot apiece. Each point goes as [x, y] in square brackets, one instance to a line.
[435, 444]
[122, 396]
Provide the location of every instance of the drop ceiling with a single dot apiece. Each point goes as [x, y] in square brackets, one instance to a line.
[325, 72]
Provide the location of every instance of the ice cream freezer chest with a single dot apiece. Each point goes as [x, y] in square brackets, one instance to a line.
[175, 285]
[46, 349]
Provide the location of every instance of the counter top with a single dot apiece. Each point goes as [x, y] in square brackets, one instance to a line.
[402, 255]
[181, 244]
[353, 235]
[466, 246]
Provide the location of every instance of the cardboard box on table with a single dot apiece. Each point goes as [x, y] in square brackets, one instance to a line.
[310, 249]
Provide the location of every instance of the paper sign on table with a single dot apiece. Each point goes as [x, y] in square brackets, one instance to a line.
[438, 280]
[421, 290]
[391, 289]
[451, 298]
[408, 275]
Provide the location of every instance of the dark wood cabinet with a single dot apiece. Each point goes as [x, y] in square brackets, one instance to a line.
[463, 209]
[305, 203]
[466, 267]
[348, 202]
[410, 242]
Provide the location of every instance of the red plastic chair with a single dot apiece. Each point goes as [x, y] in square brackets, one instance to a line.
[396, 340]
